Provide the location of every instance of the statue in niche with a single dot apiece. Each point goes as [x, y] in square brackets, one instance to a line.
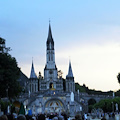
[78, 91]
[8, 109]
[40, 108]
[52, 85]
[116, 105]
[33, 109]
[72, 97]
[68, 106]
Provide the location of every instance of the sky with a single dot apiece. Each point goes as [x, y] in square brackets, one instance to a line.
[85, 31]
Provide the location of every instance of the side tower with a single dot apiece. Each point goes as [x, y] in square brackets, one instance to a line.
[70, 85]
[33, 80]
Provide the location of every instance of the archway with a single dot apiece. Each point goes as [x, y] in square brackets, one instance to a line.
[91, 101]
[54, 106]
[51, 85]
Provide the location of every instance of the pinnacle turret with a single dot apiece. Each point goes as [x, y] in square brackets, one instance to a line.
[32, 75]
[50, 42]
[70, 73]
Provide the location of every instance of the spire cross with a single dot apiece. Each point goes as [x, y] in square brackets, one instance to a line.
[69, 59]
[49, 21]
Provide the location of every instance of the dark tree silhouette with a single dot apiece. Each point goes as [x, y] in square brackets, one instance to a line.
[118, 77]
[9, 72]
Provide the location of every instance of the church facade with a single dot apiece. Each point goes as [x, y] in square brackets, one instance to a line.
[52, 93]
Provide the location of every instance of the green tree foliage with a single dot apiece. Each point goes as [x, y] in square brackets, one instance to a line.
[107, 105]
[84, 88]
[9, 73]
[3, 49]
[117, 93]
[91, 102]
[81, 88]
[4, 105]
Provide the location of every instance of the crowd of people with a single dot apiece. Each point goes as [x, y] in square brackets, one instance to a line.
[55, 116]
[59, 116]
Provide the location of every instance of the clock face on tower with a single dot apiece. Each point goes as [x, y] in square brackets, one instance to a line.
[51, 72]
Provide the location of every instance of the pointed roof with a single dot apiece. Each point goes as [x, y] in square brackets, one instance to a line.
[49, 39]
[70, 73]
[32, 75]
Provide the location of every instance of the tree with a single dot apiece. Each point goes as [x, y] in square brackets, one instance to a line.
[22, 109]
[3, 49]
[107, 105]
[9, 73]
[118, 77]
[60, 74]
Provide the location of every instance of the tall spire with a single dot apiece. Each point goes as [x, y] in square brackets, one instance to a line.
[70, 73]
[32, 75]
[50, 39]
[50, 42]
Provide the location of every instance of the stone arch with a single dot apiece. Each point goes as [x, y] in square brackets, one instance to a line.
[51, 85]
[91, 101]
[54, 105]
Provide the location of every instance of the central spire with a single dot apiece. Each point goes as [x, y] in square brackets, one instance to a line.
[49, 39]
[49, 32]
[50, 42]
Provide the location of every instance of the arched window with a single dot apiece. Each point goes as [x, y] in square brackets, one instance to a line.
[51, 85]
[51, 56]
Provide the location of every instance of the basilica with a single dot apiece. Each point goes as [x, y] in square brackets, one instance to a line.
[51, 93]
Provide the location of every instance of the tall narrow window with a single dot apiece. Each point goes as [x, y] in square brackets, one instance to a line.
[32, 88]
[51, 56]
[71, 87]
